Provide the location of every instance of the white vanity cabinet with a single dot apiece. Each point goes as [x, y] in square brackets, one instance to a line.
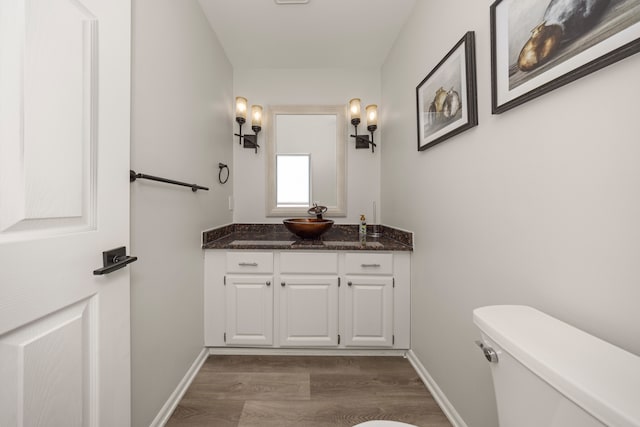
[249, 310]
[239, 298]
[307, 299]
[368, 312]
[308, 310]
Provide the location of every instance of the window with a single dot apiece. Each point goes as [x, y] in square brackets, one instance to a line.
[293, 187]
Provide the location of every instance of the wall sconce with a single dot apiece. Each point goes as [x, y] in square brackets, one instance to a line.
[250, 141]
[362, 141]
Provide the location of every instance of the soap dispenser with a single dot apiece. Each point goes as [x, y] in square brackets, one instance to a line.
[362, 230]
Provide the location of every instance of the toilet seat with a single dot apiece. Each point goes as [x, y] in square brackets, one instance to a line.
[383, 423]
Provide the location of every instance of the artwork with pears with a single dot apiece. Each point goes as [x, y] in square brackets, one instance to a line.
[446, 99]
[544, 34]
[442, 98]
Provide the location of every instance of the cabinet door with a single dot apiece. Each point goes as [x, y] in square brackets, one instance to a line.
[309, 311]
[249, 310]
[369, 311]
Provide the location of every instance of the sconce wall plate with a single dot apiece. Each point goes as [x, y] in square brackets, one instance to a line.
[362, 141]
[250, 141]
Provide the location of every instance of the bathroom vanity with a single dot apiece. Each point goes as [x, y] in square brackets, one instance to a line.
[265, 288]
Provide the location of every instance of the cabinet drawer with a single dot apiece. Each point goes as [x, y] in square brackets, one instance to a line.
[368, 263]
[249, 262]
[320, 263]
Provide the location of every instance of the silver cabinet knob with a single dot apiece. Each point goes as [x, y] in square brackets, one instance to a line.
[489, 353]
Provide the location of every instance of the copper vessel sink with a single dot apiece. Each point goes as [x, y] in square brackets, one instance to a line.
[308, 228]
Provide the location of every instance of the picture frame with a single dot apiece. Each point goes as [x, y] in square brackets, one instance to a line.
[446, 99]
[540, 45]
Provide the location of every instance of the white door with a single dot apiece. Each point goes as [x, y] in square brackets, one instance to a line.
[64, 199]
[249, 305]
[369, 311]
[308, 311]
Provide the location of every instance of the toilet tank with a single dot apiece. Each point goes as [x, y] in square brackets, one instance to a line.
[550, 374]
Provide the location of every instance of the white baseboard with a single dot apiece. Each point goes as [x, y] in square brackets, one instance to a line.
[171, 403]
[244, 351]
[454, 418]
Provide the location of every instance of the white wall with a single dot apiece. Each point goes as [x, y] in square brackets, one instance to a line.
[181, 122]
[536, 206]
[306, 87]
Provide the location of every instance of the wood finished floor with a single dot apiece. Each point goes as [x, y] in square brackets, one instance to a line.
[306, 391]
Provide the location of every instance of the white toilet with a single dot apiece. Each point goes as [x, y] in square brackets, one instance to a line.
[548, 373]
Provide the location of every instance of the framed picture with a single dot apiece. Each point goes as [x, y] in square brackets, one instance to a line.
[446, 99]
[540, 45]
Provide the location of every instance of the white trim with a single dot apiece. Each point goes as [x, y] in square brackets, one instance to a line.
[440, 398]
[340, 111]
[171, 403]
[241, 351]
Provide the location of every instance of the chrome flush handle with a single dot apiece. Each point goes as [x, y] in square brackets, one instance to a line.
[489, 353]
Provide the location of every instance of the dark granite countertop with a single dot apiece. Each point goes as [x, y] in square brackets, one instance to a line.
[343, 237]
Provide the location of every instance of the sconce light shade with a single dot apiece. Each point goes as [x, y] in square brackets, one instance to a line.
[241, 109]
[354, 110]
[372, 116]
[256, 116]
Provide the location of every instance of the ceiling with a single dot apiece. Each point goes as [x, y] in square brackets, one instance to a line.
[319, 34]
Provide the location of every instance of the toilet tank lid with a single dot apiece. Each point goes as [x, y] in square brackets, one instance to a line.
[599, 377]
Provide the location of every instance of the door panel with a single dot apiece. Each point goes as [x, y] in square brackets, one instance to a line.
[249, 310]
[309, 311]
[64, 199]
[49, 369]
[48, 173]
[369, 311]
